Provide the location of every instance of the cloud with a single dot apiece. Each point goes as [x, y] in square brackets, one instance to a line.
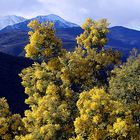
[119, 12]
[25, 8]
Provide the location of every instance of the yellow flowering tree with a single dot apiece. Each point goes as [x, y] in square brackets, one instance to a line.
[94, 35]
[43, 42]
[101, 118]
[63, 101]
[54, 85]
[51, 104]
[10, 125]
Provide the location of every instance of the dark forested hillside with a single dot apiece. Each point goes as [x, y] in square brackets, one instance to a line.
[10, 82]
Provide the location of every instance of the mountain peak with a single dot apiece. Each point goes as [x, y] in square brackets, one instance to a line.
[58, 21]
[10, 20]
[16, 22]
[51, 17]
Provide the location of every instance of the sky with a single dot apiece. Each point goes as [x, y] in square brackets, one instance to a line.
[118, 12]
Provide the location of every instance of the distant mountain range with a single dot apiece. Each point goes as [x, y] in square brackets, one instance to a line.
[20, 23]
[13, 38]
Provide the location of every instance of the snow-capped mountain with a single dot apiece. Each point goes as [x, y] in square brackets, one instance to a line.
[56, 19]
[58, 23]
[10, 20]
[13, 38]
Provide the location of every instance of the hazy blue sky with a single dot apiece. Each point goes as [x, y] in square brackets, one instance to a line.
[118, 12]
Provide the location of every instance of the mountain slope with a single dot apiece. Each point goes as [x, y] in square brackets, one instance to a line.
[124, 39]
[10, 82]
[10, 20]
[14, 38]
[13, 41]
[58, 23]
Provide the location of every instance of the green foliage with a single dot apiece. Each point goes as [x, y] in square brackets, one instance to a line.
[125, 87]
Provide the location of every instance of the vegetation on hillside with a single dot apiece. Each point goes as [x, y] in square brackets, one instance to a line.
[86, 94]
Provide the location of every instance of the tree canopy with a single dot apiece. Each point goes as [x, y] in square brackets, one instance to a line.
[74, 95]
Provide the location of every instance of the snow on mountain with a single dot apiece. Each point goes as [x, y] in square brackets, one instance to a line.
[10, 20]
[58, 21]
